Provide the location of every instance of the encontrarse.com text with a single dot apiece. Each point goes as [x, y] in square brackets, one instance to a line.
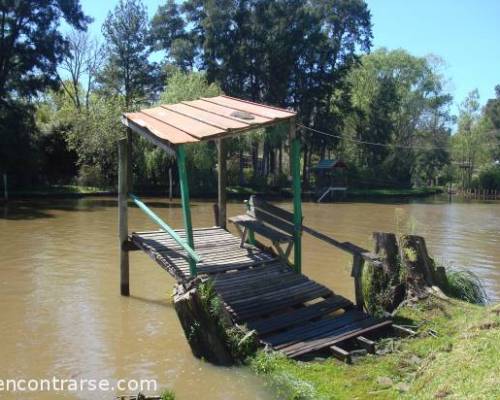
[55, 384]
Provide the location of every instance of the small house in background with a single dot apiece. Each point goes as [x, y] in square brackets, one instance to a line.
[331, 178]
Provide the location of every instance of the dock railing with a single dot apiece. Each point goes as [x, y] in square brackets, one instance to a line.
[193, 257]
[359, 257]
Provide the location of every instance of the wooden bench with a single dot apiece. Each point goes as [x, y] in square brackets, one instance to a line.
[269, 221]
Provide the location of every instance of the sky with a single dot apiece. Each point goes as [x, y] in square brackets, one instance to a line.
[464, 33]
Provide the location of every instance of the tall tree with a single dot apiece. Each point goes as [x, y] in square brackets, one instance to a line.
[282, 52]
[127, 70]
[419, 116]
[169, 34]
[492, 112]
[470, 142]
[31, 45]
[492, 108]
[80, 65]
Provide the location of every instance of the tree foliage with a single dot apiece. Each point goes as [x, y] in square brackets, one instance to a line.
[127, 71]
[386, 113]
[31, 47]
[401, 116]
[31, 44]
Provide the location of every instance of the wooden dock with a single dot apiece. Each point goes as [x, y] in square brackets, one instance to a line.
[290, 312]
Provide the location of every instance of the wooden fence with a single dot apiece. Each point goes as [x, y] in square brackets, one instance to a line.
[480, 194]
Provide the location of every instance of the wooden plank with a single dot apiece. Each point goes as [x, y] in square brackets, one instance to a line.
[282, 109]
[206, 116]
[314, 329]
[159, 129]
[278, 223]
[218, 269]
[347, 332]
[251, 108]
[266, 231]
[299, 316]
[254, 274]
[262, 287]
[281, 299]
[271, 208]
[188, 125]
[227, 112]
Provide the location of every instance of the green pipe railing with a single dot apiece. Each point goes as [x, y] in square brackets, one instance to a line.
[173, 234]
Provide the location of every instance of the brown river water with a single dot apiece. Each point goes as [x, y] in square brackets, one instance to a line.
[62, 315]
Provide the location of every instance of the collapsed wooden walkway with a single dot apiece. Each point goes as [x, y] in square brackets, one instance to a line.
[290, 312]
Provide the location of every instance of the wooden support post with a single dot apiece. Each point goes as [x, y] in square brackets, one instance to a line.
[123, 181]
[5, 189]
[357, 271]
[186, 211]
[367, 344]
[297, 201]
[341, 354]
[221, 184]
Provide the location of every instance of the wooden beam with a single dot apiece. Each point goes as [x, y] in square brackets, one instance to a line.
[367, 344]
[341, 354]
[123, 179]
[297, 199]
[186, 211]
[163, 144]
[221, 184]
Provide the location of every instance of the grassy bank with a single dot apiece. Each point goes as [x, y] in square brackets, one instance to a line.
[57, 191]
[416, 192]
[454, 356]
[234, 192]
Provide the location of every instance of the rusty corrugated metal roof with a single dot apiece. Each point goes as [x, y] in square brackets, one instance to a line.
[203, 119]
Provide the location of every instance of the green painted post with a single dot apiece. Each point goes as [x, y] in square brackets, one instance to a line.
[186, 211]
[297, 201]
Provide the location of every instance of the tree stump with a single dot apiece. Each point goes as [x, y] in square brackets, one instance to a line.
[407, 272]
[418, 266]
[203, 327]
[383, 287]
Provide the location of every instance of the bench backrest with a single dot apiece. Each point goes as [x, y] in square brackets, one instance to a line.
[271, 215]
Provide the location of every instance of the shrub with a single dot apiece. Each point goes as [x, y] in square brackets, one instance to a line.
[489, 177]
[464, 285]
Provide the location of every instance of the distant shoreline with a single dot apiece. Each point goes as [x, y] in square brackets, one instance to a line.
[75, 192]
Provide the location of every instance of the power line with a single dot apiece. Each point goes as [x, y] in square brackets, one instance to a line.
[401, 146]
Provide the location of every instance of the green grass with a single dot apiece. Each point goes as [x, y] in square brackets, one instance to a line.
[168, 395]
[454, 356]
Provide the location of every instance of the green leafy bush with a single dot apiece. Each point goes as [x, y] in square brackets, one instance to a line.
[489, 177]
[464, 285]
